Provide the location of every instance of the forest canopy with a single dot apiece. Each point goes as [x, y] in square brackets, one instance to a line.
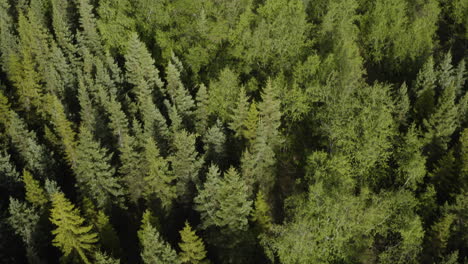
[233, 131]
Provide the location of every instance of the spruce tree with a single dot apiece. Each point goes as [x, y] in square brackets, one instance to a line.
[191, 246]
[158, 178]
[202, 110]
[185, 162]
[262, 212]
[215, 140]
[34, 192]
[94, 174]
[102, 258]
[71, 234]
[240, 114]
[153, 248]
[224, 202]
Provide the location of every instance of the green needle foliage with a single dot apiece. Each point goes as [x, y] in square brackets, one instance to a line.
[72, 236]
[191, 246]
[284, 131]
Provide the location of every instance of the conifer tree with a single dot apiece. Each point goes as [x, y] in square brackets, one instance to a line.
[131, 168]
[191, 246]
[8, 174]
[412, 164]
[115, 23]
[71, 234]
[158, 178]
[102, 258]
[202, 110]
[153, 248]
[24, 220]
[185, 161]
[262, 212]
[179, 95]
[94, 174]
[107, 235]
[240, 114]
[34, 192]
[214, 141]
[270, 115]
[224, 202]
[223, 94]
[251, 122]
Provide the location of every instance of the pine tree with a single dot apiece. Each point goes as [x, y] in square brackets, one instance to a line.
[224, 202]
[94, 174]
[71, 235]
[193, 249]
[34, 192]
[153, 248]
[185, 161]
[158, 178]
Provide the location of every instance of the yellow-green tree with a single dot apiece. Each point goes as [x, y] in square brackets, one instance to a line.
[72, 236]
[193, 249]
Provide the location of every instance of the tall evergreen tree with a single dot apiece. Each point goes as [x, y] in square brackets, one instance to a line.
[158, 178]
[34, 192]
[193, 249]
[153, 248]
[71, 235]
[185, 162]
[224, 202]
[94, 174]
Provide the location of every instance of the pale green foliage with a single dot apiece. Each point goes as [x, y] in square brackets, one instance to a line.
[202, 110]
[140, 69]
[185, 161]
[332, 171]
[411, 162]
[215, 140]
[273, 38]
[94, 172]
[158, 178]
[154, 248]
[224, 202]
[8, 172]
[131, 169]
[329, 227]
[115, 23]
[339, 35]
[223, 94]
[191, 246]
[239, 114]
[23, 218]
[179, 95]
[443, 121]
[400, 31]
[71, 235]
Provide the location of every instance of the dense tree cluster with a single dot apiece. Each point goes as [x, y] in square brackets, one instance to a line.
[233, 131]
